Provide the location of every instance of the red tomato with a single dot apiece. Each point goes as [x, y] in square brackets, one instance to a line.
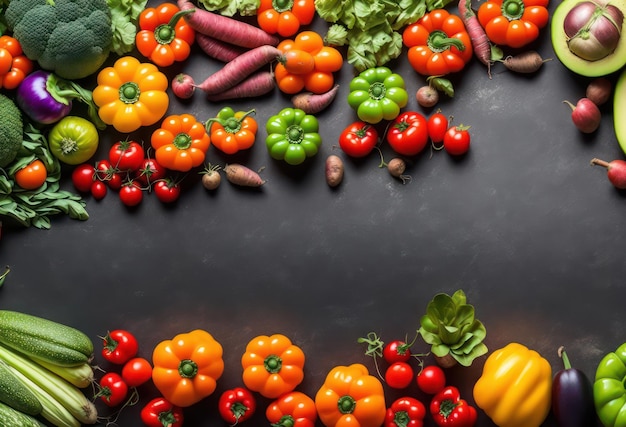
[166, 190]
[119, 346]
[113, 389]
[149, 172]
[457, 140]
[31, 176]
[108, 174]
[408, 133]
[136, 371]
[98, 190]
[159, 412]
[131, 194]
[83, 177]
[126, 155]
[397, 351]
[431, 380]
[437, 127]
[399, 375]
[358, 139]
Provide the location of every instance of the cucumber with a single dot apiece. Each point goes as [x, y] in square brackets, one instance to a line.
[13, 418]
[44, 339]
[14, 393]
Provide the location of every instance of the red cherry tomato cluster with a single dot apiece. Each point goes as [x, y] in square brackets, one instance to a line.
[454, 139]
[128, 170]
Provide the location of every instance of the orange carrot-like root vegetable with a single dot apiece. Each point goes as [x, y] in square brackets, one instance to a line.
[480, 41]
[225, 28]
[241, 175]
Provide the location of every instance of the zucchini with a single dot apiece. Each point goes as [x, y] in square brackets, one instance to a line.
[44, 339]
[13, 418]
[14, 393]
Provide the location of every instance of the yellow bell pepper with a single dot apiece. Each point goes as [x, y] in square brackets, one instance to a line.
[351, 397]
[515, 388]
[187, 367]
[131, 94]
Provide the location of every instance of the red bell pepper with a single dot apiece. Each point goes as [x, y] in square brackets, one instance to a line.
[405, 412]
[237, 405]
[408, 133]
[159, 412]
[448, 409]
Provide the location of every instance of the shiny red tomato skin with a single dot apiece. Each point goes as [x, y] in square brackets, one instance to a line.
[126, 155]
[396, 351]
[119, 346]
[108, 174]
[113, 389]
[149, 172]
[358, 139]
[437, 127]
[399, 375]
[166, 191]
[137, 371]
[408, 133]
[83, 177]
[431, 380]
[131, 194]
[457, 140]
[98, 190]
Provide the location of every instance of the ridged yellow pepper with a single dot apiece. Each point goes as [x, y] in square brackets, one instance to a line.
[515, 388]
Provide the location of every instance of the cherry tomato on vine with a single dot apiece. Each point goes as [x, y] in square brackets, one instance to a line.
[136, 371]
[149, 172]
[131, 194]
[358, 139]
[113, 389]
[98, 190]
[431, 380]
[457, 140]
[126, 155]
[437, 127]
[396, 351]
[31, 176]
[166, 190]
[399, 375]
[83, 177]
[108, 174]
[119, 346]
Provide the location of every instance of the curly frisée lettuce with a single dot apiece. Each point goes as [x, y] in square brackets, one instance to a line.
[370, 28]
[232, 7]
[124, 16]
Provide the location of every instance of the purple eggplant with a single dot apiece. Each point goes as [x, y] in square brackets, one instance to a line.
[572, 396]
[47, 98]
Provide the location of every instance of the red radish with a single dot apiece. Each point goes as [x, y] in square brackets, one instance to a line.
[226, 28]
[238, 69]
[599, 90]
[525, 63]
[585, 115]
[427, 96]
[480, 42]
[218, 49]
[241, 175]
[312, 103]
[183, 86]
[334, 170]
[258, 84]
[616, 171]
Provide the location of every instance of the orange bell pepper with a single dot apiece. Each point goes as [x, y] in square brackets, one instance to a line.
[351, 397]
[293, 409]
[131, 94]
[187, 367]
[14, 65]
[232, 131]
[180, 143]
[272, 365]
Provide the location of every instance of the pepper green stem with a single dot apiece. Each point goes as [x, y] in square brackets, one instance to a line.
[401, 419]
[346, 404]
[166, 33]
[282, 5]
[294, 134]
[446, 407]
[182, 141]
[377, 90]
[512, 9]
[187, 368]
[438, 41]
[285, 421]
[230, 124]
[273, 364]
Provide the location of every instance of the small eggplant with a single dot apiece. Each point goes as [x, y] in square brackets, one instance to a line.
[572, 396]
[47, 98]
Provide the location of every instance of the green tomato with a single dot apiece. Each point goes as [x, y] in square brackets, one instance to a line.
[73, 140]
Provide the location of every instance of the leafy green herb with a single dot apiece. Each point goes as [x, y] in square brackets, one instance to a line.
[232, 7]
[370, 28]
[441, 84]
[124, 17]
[34, 207]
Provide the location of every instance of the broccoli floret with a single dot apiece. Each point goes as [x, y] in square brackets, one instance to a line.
[11, 130]
[71, 38]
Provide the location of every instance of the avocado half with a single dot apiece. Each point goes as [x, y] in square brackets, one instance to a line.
[578, 65]
[619, 110]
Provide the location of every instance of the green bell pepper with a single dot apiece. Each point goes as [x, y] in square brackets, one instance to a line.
[609, 391]
[377, 94]
[292, 136]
